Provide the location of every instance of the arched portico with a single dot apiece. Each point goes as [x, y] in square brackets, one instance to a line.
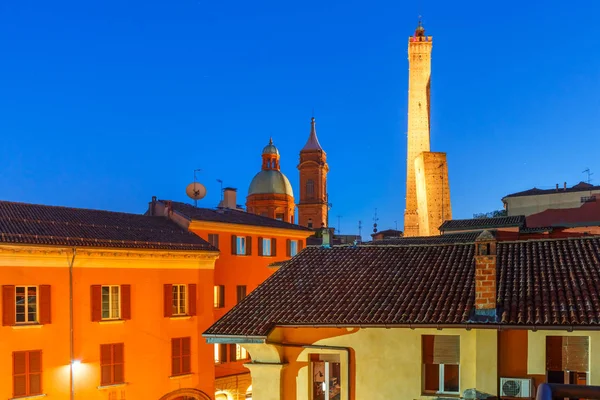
[186, 394]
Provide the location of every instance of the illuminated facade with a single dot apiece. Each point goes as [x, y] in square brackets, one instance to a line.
[427, 185]
[250, 248]
[103, 305]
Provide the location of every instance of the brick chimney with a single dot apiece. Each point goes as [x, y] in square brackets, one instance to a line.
[485, 275]
[229, 198]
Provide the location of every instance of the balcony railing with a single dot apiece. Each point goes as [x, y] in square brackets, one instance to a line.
[550, 391]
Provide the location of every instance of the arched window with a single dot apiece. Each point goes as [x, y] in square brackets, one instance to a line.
[310, 188]
[310, 224]
[268, 164]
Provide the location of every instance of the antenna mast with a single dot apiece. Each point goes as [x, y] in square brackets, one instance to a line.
[589, 174]
[375, 219]
[196, 181]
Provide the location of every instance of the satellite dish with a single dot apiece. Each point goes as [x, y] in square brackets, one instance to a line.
[195, 191]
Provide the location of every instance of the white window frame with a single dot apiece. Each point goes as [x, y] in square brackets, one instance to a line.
[293, 247]
[110, 302]
[240, 353]
[266, 250]
[441, 380]
[176, 300]
[37, 305]
[240, 242]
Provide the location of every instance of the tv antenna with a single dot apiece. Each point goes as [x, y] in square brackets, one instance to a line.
[589, 174]
[360, 228]
[221, 182]
[375, 219]
[339, 217]
[195, 190]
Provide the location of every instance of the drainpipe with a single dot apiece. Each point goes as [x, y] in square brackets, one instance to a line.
[71, 340]
[319, 347]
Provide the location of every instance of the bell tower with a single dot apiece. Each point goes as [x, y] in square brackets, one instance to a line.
[313, 206]
[419, 59]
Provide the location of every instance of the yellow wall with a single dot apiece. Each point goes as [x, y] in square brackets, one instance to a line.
[386, 362]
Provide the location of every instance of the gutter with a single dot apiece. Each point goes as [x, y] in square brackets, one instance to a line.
[71, 328]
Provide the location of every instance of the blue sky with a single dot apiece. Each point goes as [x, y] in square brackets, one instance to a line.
[104, 104]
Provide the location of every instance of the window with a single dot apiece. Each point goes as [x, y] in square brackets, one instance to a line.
[240, 353]
[25, 304]
[567, 359]
[310, 188]
[588, 199]
[110, 302]
[112, 364]
[309, 224]
[178, 302]
[241, 292]
[279, 216]
[293, 247]
[241, 245]
[267, 247]
[325, 376]
[27, 373]
[441, 369]
[219, 296]
[220, 353]
[213, 239]
[181, 356]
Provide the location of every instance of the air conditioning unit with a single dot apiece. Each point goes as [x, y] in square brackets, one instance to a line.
[513, 387]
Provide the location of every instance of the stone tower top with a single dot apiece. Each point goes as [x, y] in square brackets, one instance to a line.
[313, 141]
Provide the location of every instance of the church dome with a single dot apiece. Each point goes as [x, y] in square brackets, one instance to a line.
[270, 148]
[270, 182]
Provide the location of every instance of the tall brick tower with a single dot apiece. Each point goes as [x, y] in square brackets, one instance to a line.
[313, 207]
[427, 186]
[419, 59]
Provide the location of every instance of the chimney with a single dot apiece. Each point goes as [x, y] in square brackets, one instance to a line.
[557, 187]
[153, 206]
[485, 275]
[565, 186]
[229, 198]
[326, 242]
[168, 208]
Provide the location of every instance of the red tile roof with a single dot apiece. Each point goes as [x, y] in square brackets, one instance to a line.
[230, 216]
[483, 223]
[22, 223]
[580, 187]
[541, 282]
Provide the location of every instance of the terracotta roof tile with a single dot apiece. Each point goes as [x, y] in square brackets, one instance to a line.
[483, 223]
[580, 187]
[23, 223]
[230, 216]
[541, 282]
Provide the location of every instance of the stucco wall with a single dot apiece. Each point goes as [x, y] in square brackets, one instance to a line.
[527, 205]
[387, 364]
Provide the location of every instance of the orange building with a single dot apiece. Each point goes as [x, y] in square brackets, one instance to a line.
[251, 245]
[313, 207]
[270, 193]
[103, 305]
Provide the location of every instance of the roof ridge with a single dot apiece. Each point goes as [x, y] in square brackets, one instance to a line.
[572, 238]
[67, 207]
